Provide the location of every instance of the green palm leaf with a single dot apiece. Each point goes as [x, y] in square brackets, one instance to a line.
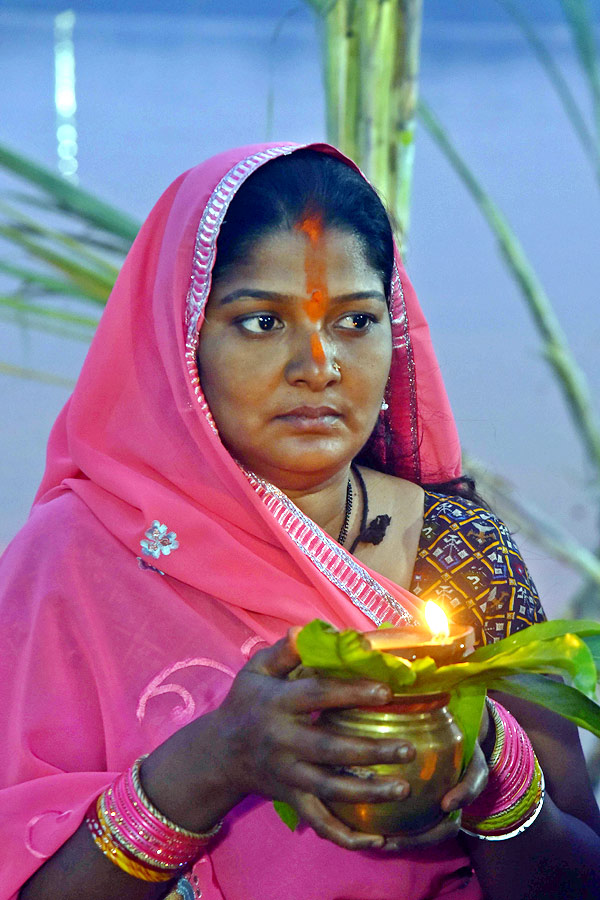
[68, 197]
[92, 284]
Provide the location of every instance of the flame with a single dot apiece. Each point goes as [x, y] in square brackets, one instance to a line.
[436, 619]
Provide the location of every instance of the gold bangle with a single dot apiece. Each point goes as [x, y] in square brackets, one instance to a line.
[500, 735]
[205, 836]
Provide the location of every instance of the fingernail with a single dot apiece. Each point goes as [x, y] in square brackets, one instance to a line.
[381, 693]
[400, 790]
[405, 752]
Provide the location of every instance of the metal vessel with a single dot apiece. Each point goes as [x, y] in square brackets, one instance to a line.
[427, 723]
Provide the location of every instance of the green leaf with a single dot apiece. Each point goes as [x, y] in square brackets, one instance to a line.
[70, 197]
[47, 282]
[36, 375]
[593, 645]
[24, 224]
[560, 84]
[540, 632]
[25, 307]
[581, 22]
[287, 814]
[566, 655]
[569, 374]
[560, 698]
[94, 285]
[346, 654]
[466, 705]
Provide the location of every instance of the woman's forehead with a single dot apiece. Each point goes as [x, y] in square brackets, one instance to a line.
[291, 262]
[295, 251]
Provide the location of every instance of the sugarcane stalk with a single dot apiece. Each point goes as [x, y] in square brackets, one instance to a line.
[371, 55]
[404, 97]
[342, 75]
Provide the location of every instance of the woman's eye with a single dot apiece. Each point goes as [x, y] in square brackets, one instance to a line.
[357, 322]
[260, 323]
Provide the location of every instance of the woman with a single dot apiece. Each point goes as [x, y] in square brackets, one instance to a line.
[229, 436]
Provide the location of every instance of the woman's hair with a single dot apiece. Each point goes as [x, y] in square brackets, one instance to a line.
[463, 486]
[283, 192]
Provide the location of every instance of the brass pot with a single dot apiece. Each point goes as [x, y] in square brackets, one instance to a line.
[427, 723]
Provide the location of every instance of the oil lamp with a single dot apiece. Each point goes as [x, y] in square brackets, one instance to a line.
[441, 641]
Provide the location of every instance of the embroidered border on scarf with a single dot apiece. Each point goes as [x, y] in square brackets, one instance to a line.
[336, 564]
[401, 340]
[333, 561]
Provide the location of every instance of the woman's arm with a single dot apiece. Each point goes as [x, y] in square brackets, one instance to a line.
[261, 740]
[79, 871]
[559, 855]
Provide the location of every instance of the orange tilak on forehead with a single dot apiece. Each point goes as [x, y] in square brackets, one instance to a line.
[315, 267]
[316, 347]
[316, 278]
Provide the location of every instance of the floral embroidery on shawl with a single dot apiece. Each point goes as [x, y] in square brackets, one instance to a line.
[159, 540]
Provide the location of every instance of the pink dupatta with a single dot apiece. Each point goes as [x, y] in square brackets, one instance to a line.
[152, 566]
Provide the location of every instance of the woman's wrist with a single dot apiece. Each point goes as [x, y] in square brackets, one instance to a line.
[189, 778]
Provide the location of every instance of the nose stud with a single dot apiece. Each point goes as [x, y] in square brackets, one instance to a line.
[335, 366]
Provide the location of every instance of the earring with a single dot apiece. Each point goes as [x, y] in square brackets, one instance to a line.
[384, 405]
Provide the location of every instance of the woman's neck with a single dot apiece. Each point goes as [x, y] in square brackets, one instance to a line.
[325, 503]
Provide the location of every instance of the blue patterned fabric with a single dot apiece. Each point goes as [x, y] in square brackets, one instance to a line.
[469, 564]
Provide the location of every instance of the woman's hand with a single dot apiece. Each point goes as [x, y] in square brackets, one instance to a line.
[274, 747]
[265, 739]
[462, 794]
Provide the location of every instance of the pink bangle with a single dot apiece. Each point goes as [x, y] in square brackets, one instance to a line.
[514, 794]
[141, 832]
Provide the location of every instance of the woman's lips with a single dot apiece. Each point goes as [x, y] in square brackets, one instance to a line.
[311, 418]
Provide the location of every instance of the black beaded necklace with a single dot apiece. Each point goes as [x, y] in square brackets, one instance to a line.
[346, 523]
[374, 532]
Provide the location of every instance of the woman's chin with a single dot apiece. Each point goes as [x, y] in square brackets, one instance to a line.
[304, 468]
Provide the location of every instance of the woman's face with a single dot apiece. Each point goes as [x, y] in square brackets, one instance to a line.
[295, 353]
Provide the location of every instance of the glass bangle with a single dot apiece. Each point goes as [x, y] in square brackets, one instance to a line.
[520, 828]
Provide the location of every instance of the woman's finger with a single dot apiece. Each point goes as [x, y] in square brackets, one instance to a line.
[447, 828]
[313, 743]
[312, 694]
[278, 660]
[471, 784]
[331, 786]
[327, 826]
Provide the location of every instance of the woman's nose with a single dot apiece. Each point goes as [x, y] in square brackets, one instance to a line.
[312, 362]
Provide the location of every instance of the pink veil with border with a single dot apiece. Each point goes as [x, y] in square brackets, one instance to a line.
[152, 565]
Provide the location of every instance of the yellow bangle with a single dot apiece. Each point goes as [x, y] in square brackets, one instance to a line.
[107, 846]
[137, 870]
